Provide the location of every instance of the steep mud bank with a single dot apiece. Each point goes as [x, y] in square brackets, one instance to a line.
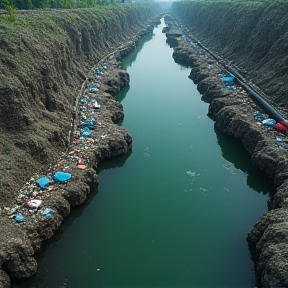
[45, 57]
[44, 60]
[252, 35]
[234, 113]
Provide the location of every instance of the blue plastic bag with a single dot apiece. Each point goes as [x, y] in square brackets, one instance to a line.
[85, 132]
[258, 116]
[62, 176]
[19, 218]
[269, 122]
[229, 79]
[43, 182]
[90, 123]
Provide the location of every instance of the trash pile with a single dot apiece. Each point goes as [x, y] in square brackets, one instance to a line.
[31, 198]
[279, 129]
[228, 81]
[30, 204]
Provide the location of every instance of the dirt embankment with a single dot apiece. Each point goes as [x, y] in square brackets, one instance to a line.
[44, 59]
[253, 35]
[236, 114]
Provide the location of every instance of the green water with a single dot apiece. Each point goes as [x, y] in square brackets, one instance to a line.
[175, 212]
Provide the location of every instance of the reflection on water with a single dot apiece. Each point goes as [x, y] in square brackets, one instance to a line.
[133, 56]
[123, 94]
[242, 161]
[178, 212]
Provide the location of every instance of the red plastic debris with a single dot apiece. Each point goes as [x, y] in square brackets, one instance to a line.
[281, 127]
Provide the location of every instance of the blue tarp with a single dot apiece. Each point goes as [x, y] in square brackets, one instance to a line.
[19, 218]
[62, 176]
[229, 79]
[43, 182]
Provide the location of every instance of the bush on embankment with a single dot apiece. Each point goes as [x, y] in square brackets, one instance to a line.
[44, 57]
[251, 34]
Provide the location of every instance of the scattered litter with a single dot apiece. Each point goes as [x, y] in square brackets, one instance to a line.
[81, 164]
[280, 127]
[14, 209]
[230, 87]
[85, 132]
[62, 176]
[269, 122]
[146, 153]
[19, 218]
[34, 203]
[89, 123]
[96, 105]
[47, 213]
[258, 116]
[43, 182]
[280, 142]
[32, 196]
[228, 79]
[192, 174]
[98, 72]
[230, 168]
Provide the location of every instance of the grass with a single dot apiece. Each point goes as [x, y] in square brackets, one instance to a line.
[6, 150]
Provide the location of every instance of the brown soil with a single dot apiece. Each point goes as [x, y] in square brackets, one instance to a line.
[233, 112]
[251, 35]
[45, 57]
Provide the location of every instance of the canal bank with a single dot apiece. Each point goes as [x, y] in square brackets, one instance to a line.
[237, 115]
[46, 199]
[176, 211]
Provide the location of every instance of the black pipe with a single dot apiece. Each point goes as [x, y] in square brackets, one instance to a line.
[270, 110]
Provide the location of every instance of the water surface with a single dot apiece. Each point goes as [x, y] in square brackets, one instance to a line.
[174, 212]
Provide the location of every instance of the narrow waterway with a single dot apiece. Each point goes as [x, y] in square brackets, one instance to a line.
[173, 213]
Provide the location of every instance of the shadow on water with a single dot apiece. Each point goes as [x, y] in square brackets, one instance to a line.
[37, 281]
[242, 161]
[206, 99]
[122, 94]
[76, 212]
[116, 162]
[130, 59]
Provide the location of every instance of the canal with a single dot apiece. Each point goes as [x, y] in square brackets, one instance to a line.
[175, 212]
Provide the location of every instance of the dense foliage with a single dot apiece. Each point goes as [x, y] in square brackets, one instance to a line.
[42, 4]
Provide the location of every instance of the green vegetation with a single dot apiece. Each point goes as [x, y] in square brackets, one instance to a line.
[42, 4]
[6, 150]
[9, 6]
[59, 4]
